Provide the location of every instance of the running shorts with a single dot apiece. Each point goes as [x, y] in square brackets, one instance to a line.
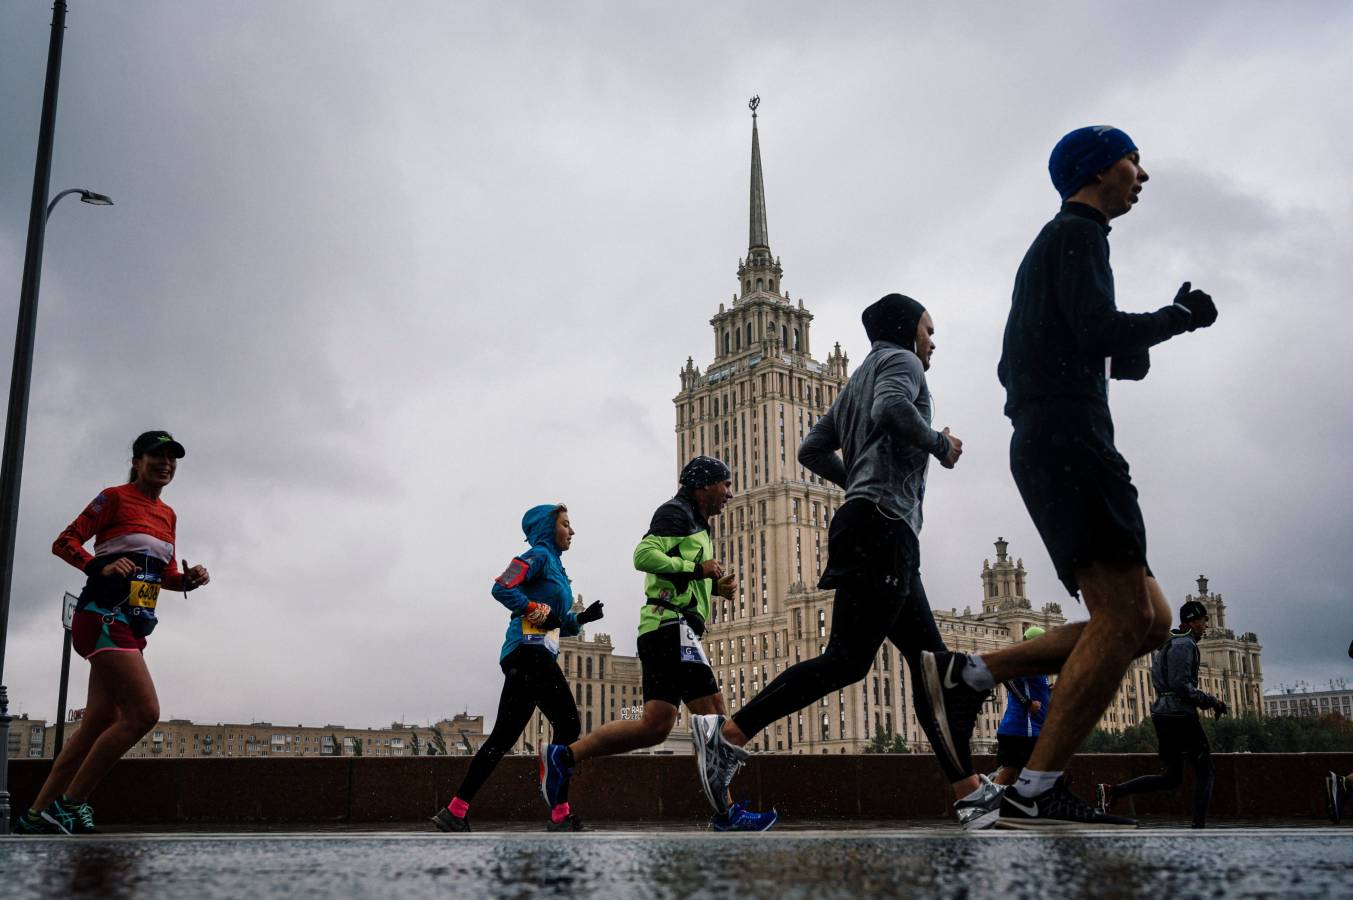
[92, 633]
[1180, 736]
[1076, 486]
[667, 676]
[867, 549]
[1013, 750]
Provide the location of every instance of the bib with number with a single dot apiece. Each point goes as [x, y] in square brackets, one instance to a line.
[534, 634]
[144, 594]
[691, 649]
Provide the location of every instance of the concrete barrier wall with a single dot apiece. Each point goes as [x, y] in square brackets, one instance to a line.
[636, 788]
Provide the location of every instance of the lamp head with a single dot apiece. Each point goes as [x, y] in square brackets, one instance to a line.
[95, 199]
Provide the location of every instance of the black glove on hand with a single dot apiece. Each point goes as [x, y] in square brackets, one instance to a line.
[551, 622]
[1202, 311]
[1220, 709]
[591, 614]
[1130, 366]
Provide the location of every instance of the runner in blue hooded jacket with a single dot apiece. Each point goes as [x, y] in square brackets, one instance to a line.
[536, 591]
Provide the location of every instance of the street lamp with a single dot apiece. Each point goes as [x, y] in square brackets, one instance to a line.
[93, 198]
[16, 419]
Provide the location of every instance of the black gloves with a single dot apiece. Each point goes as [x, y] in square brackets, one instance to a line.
[1202, 311]
[1130, 366]
[591, 614]
[1220, 709]
[551, 622]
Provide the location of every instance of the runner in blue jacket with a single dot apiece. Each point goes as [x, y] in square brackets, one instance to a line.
[536, 591]
[1025, 709]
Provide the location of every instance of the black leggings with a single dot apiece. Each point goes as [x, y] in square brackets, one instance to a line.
[862, 618]
[533, 679]
[1172, 777]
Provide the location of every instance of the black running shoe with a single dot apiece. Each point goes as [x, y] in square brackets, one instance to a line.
[1056, 809]
[568, 823]
[954, 704]
[447, 822]
[35, 824]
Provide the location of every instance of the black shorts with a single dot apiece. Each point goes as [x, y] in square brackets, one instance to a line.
[1013, 750]
[1076, 486]
[867, 549]
[1180, 736]
[666, 676]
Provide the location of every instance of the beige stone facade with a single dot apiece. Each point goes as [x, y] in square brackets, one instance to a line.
[460, 735]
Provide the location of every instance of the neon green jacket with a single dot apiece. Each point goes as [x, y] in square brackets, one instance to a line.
[669, 555]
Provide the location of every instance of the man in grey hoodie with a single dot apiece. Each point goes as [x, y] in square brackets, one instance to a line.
[880, 423]
[1174, 675]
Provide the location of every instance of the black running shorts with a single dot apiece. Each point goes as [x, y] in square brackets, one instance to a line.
[1013, 750]
[1180, 736]
[867, 549]
[666, 676]
[1076, 486]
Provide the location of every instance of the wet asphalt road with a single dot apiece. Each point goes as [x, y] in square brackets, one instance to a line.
[1156, 863]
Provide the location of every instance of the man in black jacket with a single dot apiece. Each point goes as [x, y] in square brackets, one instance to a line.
[1179, 735]
[1064, 339]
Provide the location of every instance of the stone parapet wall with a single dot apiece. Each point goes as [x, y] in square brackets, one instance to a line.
[637, 788]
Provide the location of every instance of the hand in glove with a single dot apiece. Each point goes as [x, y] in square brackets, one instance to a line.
[551, 622]
[536, 613]
[1202, 311]
[591, 613]
[1220, 709]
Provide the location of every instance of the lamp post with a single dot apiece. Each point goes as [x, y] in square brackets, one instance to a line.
[16, 420]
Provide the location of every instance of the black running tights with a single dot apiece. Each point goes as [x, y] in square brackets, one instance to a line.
[533, 679]
[862, 618]
[1172, 777]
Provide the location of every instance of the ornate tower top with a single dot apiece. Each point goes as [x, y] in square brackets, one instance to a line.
[1202, 585]
[760, 271]
[1001, 545]
[758, 234]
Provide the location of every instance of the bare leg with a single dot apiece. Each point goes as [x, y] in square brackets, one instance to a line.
[1005, 775]
[127, 680]
[100, 714]
[1122, 618]
[1046, 655]
[621, 735]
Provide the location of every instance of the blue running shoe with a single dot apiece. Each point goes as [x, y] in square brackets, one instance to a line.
[740, 818]
[554, 773]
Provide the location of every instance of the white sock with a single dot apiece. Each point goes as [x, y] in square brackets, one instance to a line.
[976, 674]
[1031, 783]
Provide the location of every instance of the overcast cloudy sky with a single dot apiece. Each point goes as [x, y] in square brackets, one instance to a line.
[394, 274]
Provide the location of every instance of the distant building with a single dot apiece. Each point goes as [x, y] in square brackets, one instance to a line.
[1310, 704]
[26, 737]
[458, 736]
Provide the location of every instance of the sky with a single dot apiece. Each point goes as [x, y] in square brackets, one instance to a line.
[395, 274]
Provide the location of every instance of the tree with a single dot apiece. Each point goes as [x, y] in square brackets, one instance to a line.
[413, 743]
[886, 742]
[337, 744]
[437, 743]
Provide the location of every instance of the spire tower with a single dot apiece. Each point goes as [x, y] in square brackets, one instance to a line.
[760, 271]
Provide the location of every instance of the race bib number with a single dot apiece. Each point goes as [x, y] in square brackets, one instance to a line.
[534, 634]
[691, 650]
[144, 594]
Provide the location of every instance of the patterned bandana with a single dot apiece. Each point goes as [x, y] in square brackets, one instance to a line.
[704, 471]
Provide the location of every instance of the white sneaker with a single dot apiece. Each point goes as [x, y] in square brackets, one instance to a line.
[983, 810]
[716, 759]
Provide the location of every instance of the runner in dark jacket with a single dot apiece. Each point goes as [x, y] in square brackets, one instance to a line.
[1174, 675]
[1065, 337]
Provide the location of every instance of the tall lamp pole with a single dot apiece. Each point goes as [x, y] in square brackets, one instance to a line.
[16, 420]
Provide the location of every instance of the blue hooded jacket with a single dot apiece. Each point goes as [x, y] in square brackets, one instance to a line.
[1019, 719]
[536, 576]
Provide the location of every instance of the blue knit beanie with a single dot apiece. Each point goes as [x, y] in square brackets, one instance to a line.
[1084, 153]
